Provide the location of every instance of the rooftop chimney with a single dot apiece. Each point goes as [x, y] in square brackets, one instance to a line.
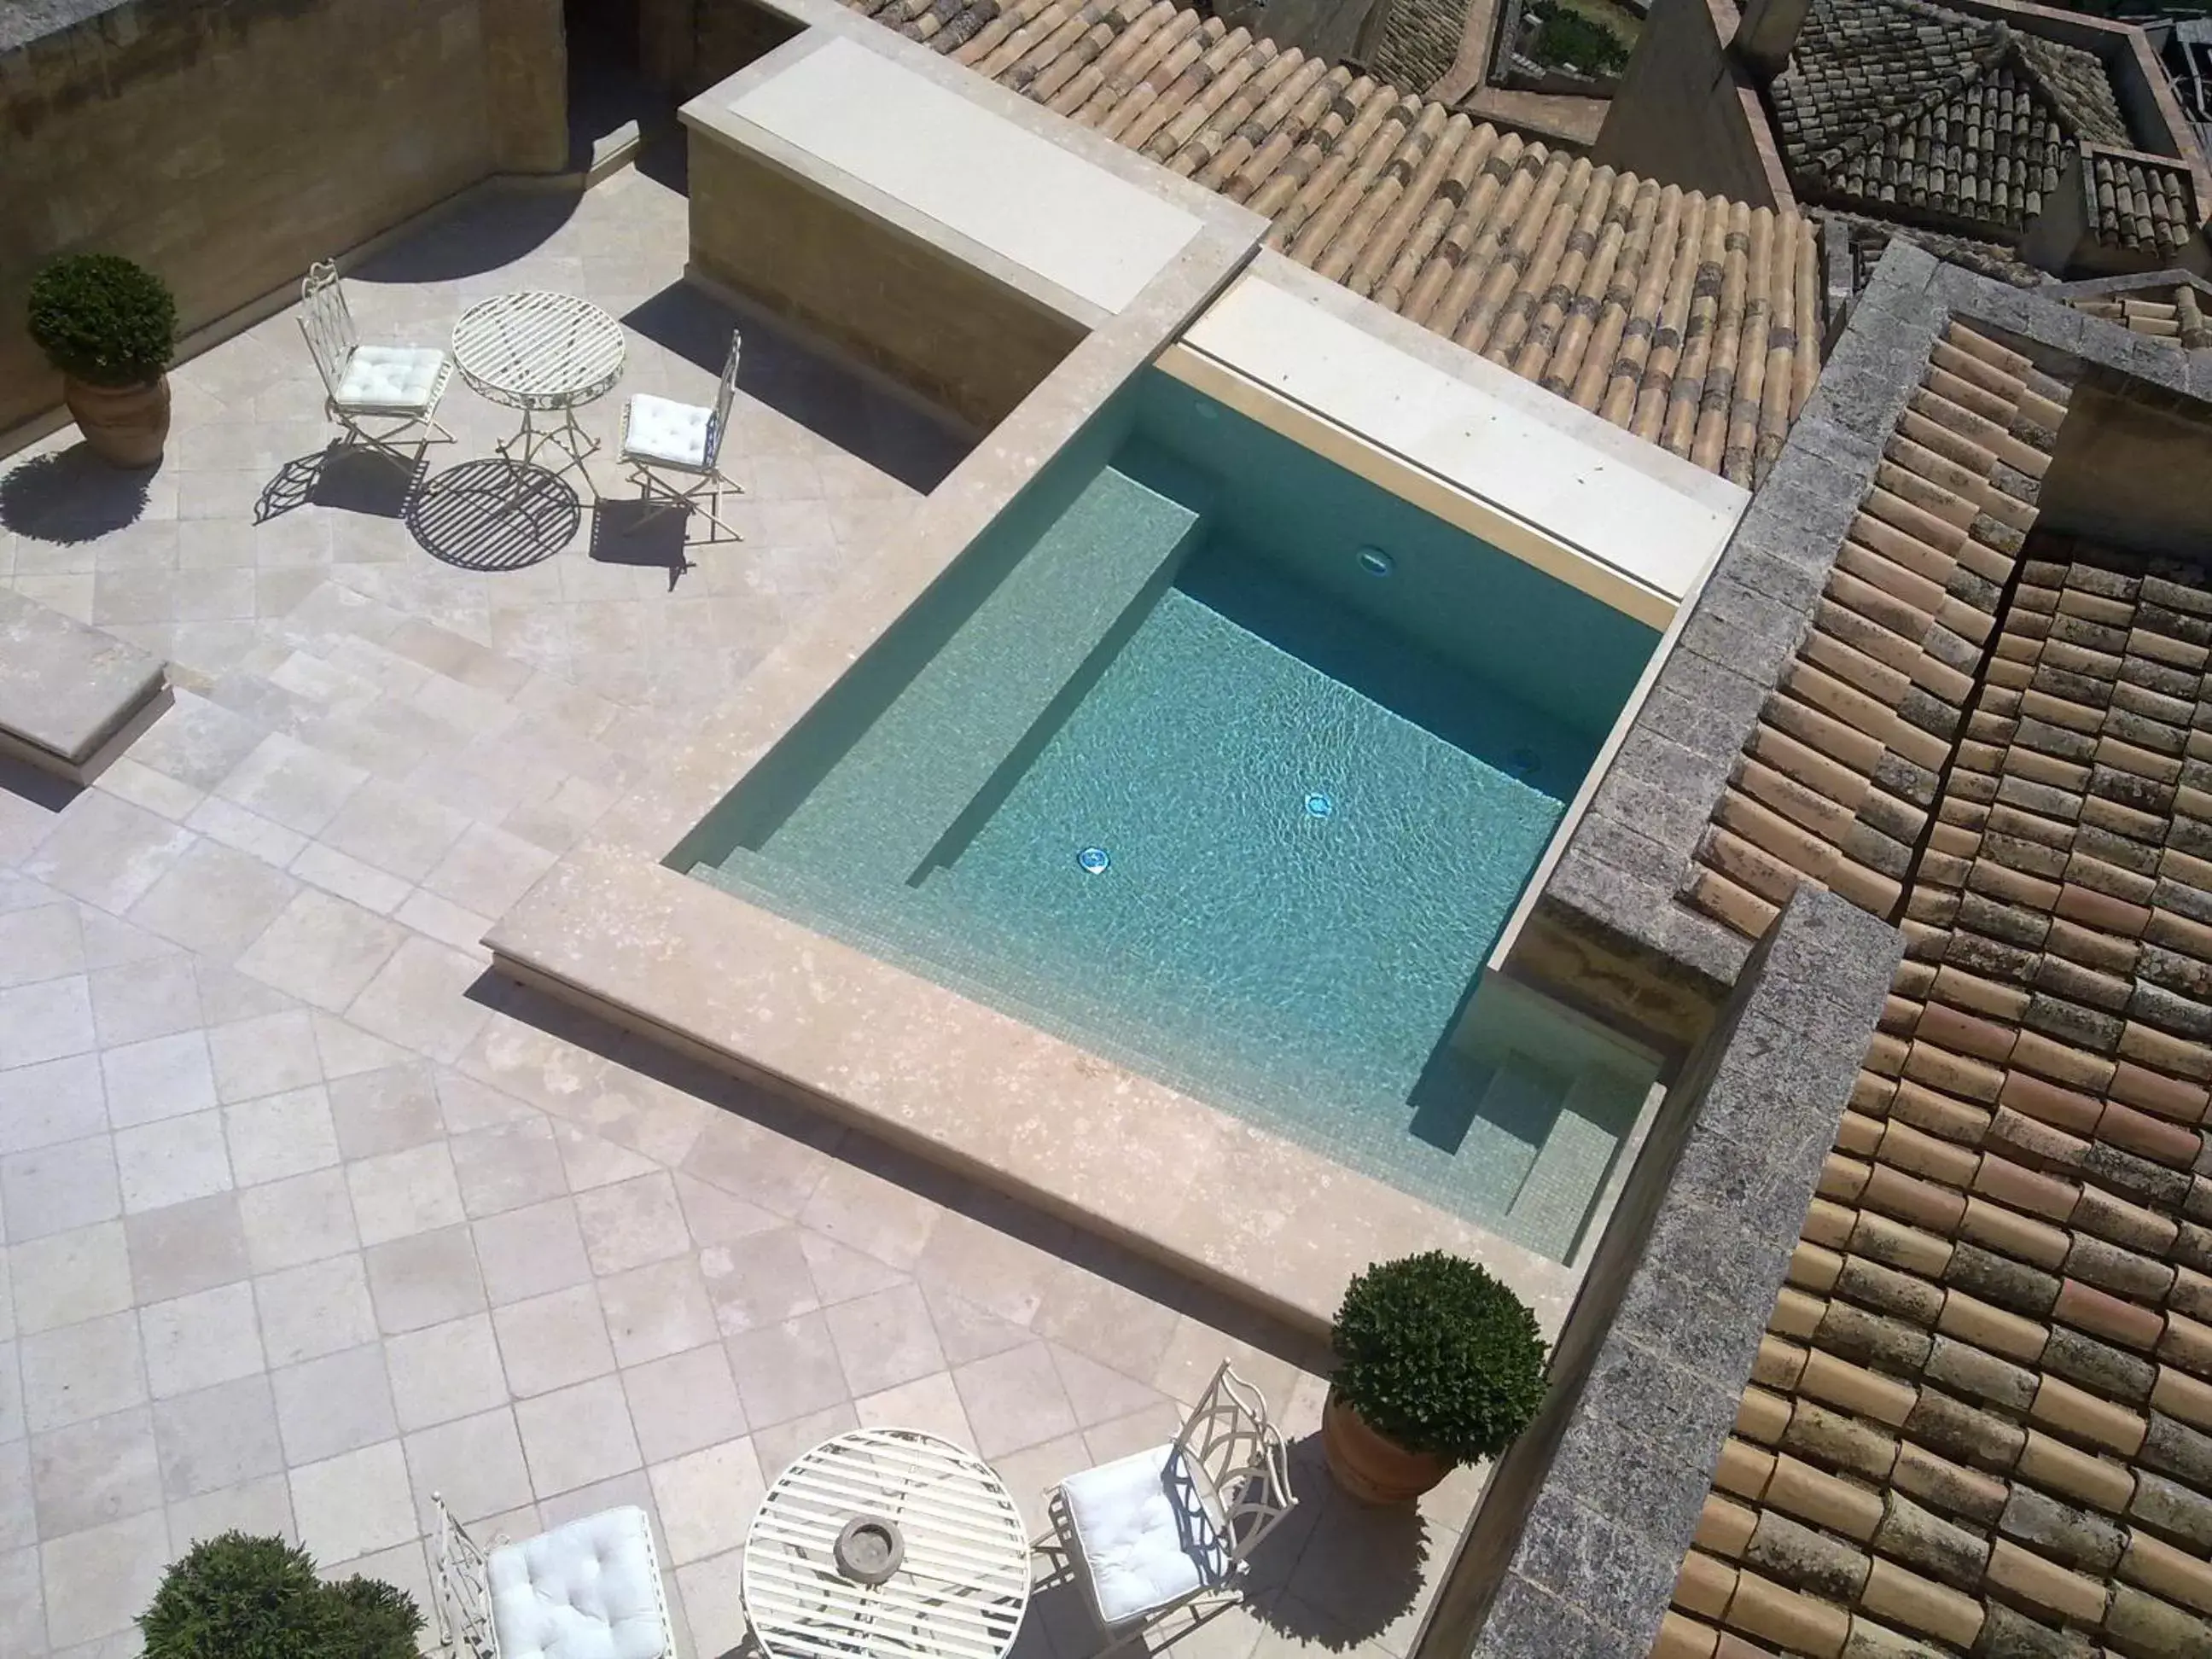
[1767, 33]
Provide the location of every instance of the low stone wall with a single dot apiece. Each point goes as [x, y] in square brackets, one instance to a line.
[939, 326]
[226, 145]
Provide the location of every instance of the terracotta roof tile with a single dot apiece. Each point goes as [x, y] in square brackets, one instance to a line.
[1694, 323]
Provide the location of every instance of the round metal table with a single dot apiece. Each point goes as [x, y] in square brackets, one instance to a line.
[540, 352]
[886, 1544]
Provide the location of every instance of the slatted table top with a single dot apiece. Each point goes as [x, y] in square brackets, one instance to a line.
[958, 1589]
[536, 350]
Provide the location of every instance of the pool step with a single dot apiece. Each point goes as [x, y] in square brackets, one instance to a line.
[1591, 1119]
[928, 768]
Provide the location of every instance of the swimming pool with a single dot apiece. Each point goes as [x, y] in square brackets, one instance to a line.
[1218, 760]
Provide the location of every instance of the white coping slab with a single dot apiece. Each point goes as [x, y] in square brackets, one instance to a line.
[1023, 197]
[1647, 518]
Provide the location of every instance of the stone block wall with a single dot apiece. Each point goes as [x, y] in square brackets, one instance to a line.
[226, 145]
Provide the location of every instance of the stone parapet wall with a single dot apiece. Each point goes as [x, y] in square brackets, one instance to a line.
[227, 144]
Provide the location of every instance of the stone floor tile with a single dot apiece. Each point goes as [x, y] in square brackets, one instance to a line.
[444, 1371]
[757, 1280]
[418, 999]
[930, 1403]
[172, 1162]
[1014, 1399]
[750, 1161]
[716, 1218]
[271, 845]
[303, 1218]
[706, 1499]
[392, 828]
[216, 1439]
[879, 1218]
[1106, 1321]
[333, 1404]
[261, 1508]
[218, 897]
[403, 1193]
[632, 1223]
[1196, 1351]
[1098, 1393]
[354, 1504]
[96, 1582]
[425, 1278]
[965, 1331]
[194, 741]
[990, 1268]
[193, 1246]
[656, 1310]
[58, 1188]
[161, 1078]
[265, 1055]
[468, 1105]
[593, 1160]
[577, 1436]
[40, 942]
[712, 1603]
[550, 1341]
[90, 1473]
[134, 1001]
[54, 1101]
[227, 997]
[315, 1308]
[290, 783]
[281, 1134]
[684, 1402]
[1031, 1472]
[107, 851]
[474, 1462]
[44, 1021]
[81, 1372]
[22, 1605]
[1120, 1437]
[387, 1110]
[506, 1166]
[347, 1052]
[530, 1251]
[839, 1272]
[198, 1341]
[786, 1370]
[884, 1340]
[322, 948]
[19, 1522]
[63, 1277]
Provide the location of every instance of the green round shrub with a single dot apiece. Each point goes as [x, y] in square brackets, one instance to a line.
[240, 1597]
[101, 319]
[1437, 1356]
[236, 1597]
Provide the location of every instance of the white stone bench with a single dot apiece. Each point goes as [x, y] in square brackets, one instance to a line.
[71, 698]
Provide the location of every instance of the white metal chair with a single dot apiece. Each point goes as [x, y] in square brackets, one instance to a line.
[394, 388]
[1172, 1528]
[674, 450]
[590, 1590]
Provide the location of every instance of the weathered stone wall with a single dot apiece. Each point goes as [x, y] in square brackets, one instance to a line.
[228, 143]
[966, 343]
[1685, 112]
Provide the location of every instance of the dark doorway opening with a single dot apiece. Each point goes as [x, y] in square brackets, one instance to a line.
[612, 103]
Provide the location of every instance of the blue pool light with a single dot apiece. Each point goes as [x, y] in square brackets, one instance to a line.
[1093, 861]
[1320, 805]
[1376, 562]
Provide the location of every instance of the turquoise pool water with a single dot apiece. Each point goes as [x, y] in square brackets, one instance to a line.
[1218, 761]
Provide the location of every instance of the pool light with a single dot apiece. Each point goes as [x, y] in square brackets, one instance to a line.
[1376, 562]
[1093, 861]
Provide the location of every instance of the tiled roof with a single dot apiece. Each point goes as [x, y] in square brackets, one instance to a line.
[2139, 203]
[1981, 1421]
[2173, 312]
[1692, 321]
[1911, 110]
[1870, 238]
[1420, 40]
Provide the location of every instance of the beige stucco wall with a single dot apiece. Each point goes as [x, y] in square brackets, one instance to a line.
[968, 343]
[1687, 114]
[226, 146]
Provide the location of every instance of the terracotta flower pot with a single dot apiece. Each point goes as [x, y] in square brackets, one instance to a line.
[125, 425]
[1369, 1467]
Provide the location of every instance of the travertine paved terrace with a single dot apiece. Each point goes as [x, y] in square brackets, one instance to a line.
[304, 1216]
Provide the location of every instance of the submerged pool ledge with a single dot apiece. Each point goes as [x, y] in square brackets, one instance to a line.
[894, 1054]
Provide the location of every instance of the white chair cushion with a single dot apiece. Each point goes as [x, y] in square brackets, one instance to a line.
[391, 377]
[662, 429]
[1146, 1540]
[588, 1590]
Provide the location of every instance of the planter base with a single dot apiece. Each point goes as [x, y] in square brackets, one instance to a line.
[1371, 1469]
[125, 426]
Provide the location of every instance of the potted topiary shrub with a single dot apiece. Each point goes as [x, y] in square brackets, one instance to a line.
[1438, 1364]
[235, 1596]
[110, 326]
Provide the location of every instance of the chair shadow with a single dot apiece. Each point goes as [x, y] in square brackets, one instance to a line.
[495, 230]
[627, 532]
[779, 369]
[493, 516]
[71, 495]
[346, 476]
